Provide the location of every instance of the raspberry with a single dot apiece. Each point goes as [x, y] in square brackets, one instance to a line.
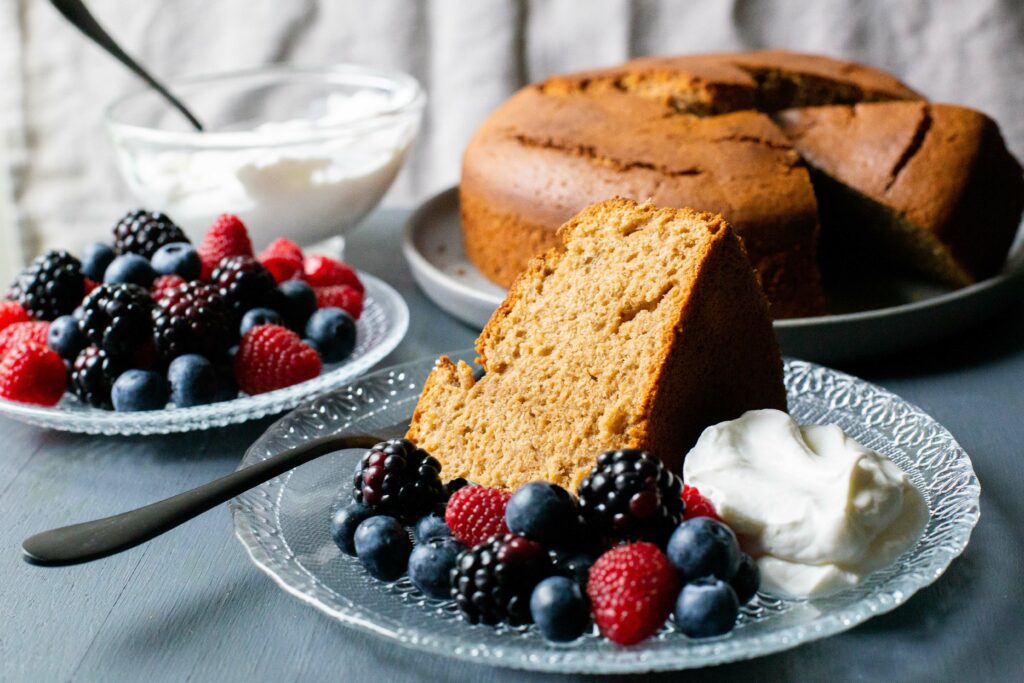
[345, 297]
[323, 271]
[270, 357]
[283, 248]
[17, 333]
[397, 478]
[226, 237]
[632, 589]
[492, 581]
[283, 258]
[476, 513]
[12, 312]
[696, 505]
[164, 284]
[90, 285]
[31, 373]
[142, 232]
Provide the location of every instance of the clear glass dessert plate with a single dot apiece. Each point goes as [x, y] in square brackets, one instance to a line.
[379, 330]
[284, 526]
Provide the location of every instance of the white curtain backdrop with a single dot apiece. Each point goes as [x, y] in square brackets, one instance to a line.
[469, 55]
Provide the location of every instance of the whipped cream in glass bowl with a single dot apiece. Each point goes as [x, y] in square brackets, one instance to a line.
[299, 152]
[818, 510]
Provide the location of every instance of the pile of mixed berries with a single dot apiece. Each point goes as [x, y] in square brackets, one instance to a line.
[151, 319]
[633, 547]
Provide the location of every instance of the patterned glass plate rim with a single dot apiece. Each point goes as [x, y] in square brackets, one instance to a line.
[381, 327]
[283, 525]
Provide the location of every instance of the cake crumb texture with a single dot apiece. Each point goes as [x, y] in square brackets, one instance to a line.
[645, 328]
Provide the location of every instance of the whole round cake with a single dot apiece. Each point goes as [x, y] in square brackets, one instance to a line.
[783, 145]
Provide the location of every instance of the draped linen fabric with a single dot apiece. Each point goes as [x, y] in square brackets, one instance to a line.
[58, 180]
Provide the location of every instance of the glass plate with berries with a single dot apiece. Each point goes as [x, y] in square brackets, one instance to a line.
[631, 572]
[150, 334]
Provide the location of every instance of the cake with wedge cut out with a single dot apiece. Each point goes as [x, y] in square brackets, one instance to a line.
[645, 328]
[702, 131]
[930, 187]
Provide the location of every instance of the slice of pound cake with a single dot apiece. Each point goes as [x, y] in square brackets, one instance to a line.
[647, 328]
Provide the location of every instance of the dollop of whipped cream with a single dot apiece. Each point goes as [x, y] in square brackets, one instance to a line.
[818, 510]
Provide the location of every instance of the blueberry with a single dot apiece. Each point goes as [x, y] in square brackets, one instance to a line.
[334, 332]
[559, 609]
[430, 527]
[259, 316]
[383, 547]
[543, 512]
[431, 564]
[193, 381]
[344, 523]
[95, 260]
[747, 579]
[298, 303]
[706, 607]
[704, 547]
[137, 390]
[177, 258]
[65, 338]
[130, 268]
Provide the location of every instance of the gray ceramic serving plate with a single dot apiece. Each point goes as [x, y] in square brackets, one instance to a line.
[886, 317]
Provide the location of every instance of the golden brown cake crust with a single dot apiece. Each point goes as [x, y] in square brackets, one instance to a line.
[944, 170]
[681, 131]
[607, 343]
[721, 82]
[695, 130]
[539, 159]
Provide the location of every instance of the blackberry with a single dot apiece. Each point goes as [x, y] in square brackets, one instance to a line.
[454, 485]
[51, 286]
[116, 318]
[630, 495]
[246, 284]
[193, 318]
[92, 376]
[142, 232]
[573, 565]
[397, 478]
[492, 581]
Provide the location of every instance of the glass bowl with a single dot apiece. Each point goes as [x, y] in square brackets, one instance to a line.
[380, 328]
[298, 152]
[284, 525]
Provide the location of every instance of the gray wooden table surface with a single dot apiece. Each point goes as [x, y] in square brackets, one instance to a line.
[190, 605]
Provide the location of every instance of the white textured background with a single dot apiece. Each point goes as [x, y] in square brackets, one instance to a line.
[469, 54]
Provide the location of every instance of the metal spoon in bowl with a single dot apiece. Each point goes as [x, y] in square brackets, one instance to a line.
[78, 14]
